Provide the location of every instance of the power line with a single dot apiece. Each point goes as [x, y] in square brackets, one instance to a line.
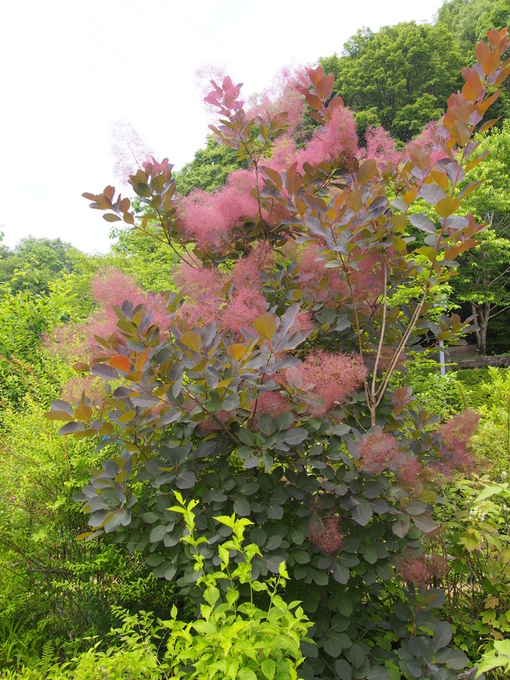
[131, 47]
[58, 84]
[197, 28]
[157, 26]
[77, 28]
[245, 28]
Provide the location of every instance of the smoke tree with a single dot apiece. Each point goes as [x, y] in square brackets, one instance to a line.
[267, 393]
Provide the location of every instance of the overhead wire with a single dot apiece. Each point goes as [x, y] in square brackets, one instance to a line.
[105, 30]
[77, 28]
[197, 28]
[245, 28]
[55, 82]
[159, 26]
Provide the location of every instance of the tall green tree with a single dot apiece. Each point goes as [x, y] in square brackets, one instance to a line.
[209, 169]
[484, 274]
[33, 263]
[484, 282]
[469, 20]
[399, 77]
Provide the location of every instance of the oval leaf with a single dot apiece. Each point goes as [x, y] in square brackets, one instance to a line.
[265, 325]
[121, 362]
[192, 340]
[447, 206]
[71, 428]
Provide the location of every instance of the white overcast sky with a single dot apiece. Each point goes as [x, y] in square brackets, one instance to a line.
[69, 68]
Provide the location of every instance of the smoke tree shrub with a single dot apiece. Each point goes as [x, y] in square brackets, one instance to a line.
[269, 397]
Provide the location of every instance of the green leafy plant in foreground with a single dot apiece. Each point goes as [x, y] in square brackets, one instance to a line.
[233, 639]
[475, 538]
[498, 657]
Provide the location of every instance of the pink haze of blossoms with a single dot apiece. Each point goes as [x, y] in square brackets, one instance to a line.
[381, 147]
[455, 452]
[109, 288]
[379, 451]
[232, 300]
[210, 218]
[420, 570]
[329, 378]
[325, 533]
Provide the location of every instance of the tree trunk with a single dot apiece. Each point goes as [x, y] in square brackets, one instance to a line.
[483, 314]
[474, 310]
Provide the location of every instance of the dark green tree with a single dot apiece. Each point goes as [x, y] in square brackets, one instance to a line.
[484, 275]
[469, 20]
[399, 77]
[484, 282]
[33, 263]
[209, 169]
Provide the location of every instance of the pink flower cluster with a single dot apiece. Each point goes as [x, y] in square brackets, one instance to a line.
[329, 377]
[380, 451]
[455, 452]
[210, 218]
[381, 147]
[283, 95]
[232, 300]
[335, 140]
[420, 570]
[325, 534]
[110, 287]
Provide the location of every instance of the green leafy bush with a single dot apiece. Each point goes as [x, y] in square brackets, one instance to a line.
[474, 544]
[488, 390]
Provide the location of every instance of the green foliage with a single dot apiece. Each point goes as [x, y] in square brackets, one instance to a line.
[474, 539]
[402, 75]
[497, 657]
[483, 275]
[231, 639]
[53, 586]
[148, 260]
[209, 169]
[24, 319]
[434, 392]
[492, 398]
[484, 282]
[469, 20]
[33, 264]
[491, 201]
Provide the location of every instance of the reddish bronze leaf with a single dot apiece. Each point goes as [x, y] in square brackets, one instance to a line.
[482, 50]
[313, 101]
[489, 123]
[494, 37]
[324, 86]
[490, 63]
[474, 163]
[473, 88]
[121, 362]
[366, 171]
[419, 157]
[482, 108]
